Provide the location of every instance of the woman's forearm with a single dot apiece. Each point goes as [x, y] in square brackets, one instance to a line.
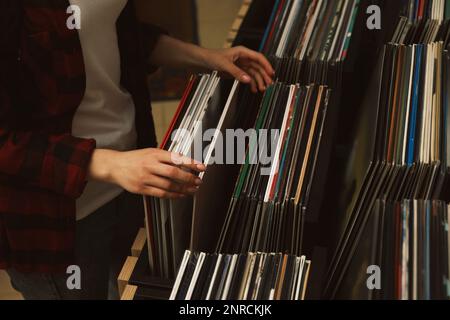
[178, 54]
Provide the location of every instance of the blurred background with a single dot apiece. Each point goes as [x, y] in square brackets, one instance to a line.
[206, 22]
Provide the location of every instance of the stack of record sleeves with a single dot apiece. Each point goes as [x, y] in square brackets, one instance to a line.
[407, 173]
[252, 276]
[437, 10]
[266, 211]
[304, 37]
[210, 104]
[411, 245]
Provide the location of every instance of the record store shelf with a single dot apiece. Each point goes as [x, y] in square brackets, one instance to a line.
[363, 174]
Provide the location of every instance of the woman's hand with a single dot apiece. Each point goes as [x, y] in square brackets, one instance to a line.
[150, 172]
[243, 64]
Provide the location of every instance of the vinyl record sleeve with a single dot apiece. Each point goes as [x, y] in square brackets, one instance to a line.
[180, 275]
[195, 275]
[206, 270]
[187, 276]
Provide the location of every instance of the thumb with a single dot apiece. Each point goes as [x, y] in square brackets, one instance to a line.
[237, 72]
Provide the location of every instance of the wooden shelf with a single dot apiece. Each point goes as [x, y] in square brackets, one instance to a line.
[125, 290]
[237, 23]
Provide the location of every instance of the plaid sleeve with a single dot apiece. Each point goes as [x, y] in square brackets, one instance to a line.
[56, 163]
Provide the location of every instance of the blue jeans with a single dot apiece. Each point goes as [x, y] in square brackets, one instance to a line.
[103, 241]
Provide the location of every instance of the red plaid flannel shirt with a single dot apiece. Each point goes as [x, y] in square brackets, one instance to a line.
[43, 168]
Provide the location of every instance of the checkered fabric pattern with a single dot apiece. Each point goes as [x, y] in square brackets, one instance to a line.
[43, 168]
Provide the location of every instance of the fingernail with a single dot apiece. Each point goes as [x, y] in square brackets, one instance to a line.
[201, 167]
[198, 182]
[193, 190]
[246, 78]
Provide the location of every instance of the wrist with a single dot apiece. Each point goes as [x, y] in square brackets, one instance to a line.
[102, 165]
[175, 53]
[203, 58]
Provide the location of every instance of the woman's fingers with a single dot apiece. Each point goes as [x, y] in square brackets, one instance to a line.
[258, 78]
[171, 186]
[267, 79]
[159, 193]
[257, 66]
[257, 57]
[255, 82]
[236, 72]
[172, 175]
[253, 86]
[176, 174]
[182, 161]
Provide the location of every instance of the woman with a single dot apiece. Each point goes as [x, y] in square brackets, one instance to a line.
[76, 131]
